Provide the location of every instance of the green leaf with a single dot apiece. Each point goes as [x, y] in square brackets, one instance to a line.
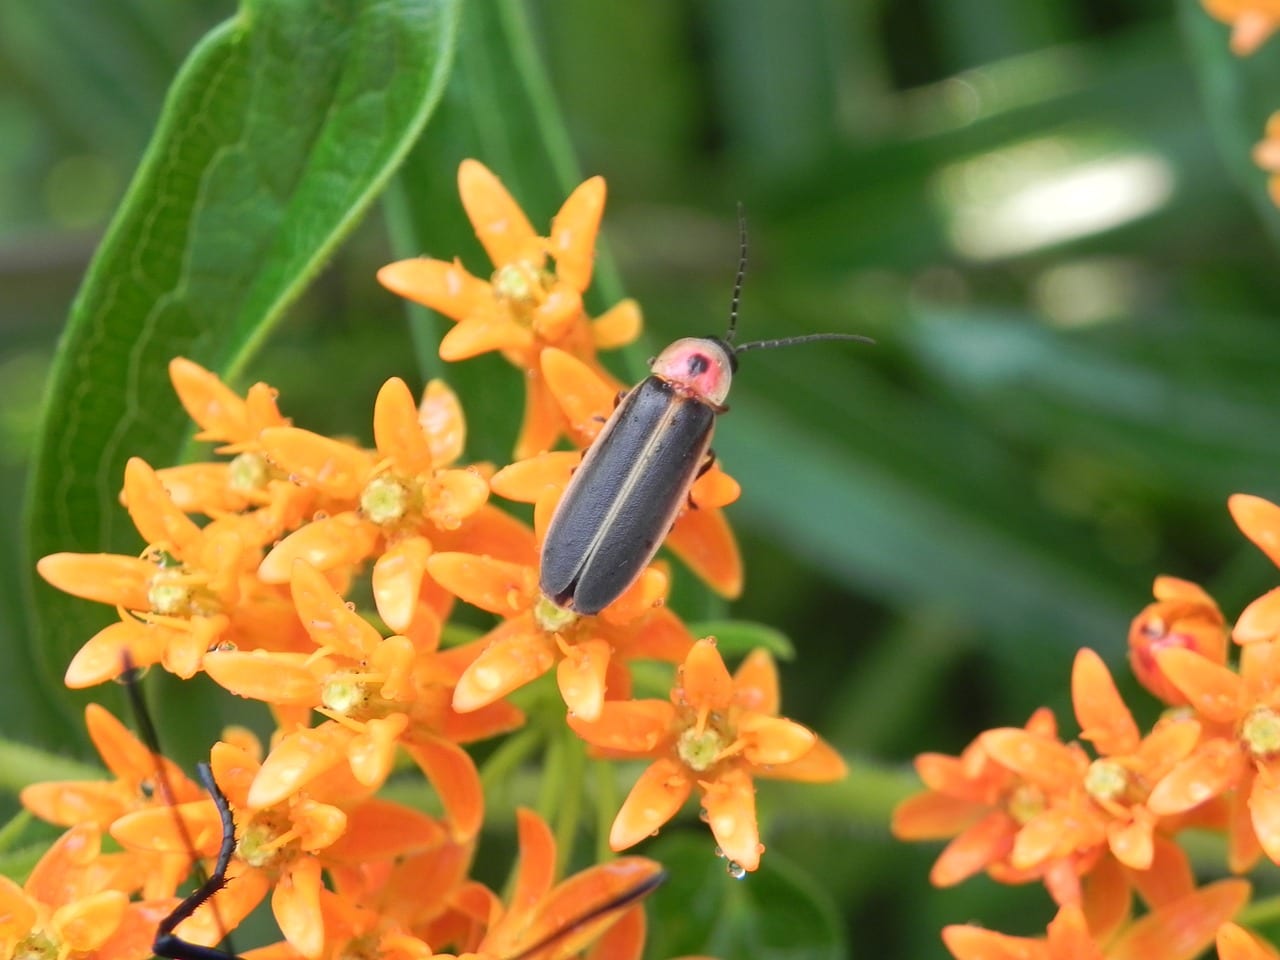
[737, 638]
[776, 912]
[279, 131]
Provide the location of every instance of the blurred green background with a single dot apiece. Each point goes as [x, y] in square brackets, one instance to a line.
[1043, 212]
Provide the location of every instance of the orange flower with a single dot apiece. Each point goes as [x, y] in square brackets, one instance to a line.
[395, 502]
[700, 537]
[378, 693]
[717, 732]
[143, 781]
[1182, 616]
[1259, 520]
[76, 904]
[525, 306]
[1242, 712]
[285, 845]
[536, 634]
[1179, 930]
[249, 479]
[192, 589]
[1251, 21]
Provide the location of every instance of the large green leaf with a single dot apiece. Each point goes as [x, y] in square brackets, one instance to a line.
[281, 128]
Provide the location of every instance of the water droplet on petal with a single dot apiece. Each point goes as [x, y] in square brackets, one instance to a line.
[735, 870]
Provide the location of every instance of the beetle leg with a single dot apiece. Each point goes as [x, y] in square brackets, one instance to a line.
[706, 465]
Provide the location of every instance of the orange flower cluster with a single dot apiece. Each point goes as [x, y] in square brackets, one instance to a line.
[246, 574]
[1098, 825]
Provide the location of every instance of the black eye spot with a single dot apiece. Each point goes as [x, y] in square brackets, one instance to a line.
[699, 364]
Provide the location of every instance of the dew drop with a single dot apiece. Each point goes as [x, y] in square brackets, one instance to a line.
[735, 870]
[719, 853]
[703, 815]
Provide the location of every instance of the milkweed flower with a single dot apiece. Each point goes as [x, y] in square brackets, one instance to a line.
[1179, 930]
[526, 305]
[717, 732]
[589, 653]
[193, 588]
[700, 536]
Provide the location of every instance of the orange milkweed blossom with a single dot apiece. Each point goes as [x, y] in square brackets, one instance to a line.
[393, 503]
[525, 306]
[283, 847]
[701, 537]
[716, 732]
[589, 653]
[1182, 616]
[1252, 22]
[1178, 930]
[377, 693]
[193, 588]
[76, 904]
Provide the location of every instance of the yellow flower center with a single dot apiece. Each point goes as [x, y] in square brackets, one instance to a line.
[1260, 732]
[37, 945]
[344, 695]
[699, 749]
[1025, 802]
[385, 500]
[169, 594]
[552, 618]
[1107, 781]
[522, 284]
[248, 473]
[263, 842]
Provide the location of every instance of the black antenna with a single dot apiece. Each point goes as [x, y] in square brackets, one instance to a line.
[806, 338]
[742, 272]
[623, 900]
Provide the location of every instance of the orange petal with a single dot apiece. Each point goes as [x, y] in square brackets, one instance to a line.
[1045, 762]
[440, 416]
[773, 740]
[1212, 770]
[329, 542]
[581, 677]
[153, 511]
[102, 577]
[372, 753]
[1236, 943]
[617, 326]
[506, 589]
[296, 905]
[296, 759]
[328, 620]
[103, 655]
[543, 420]
[500, 224]
[586, 398]
[987, 841]
[1069, 936]
[202, 488]
[705, 679]
[578, 909]
[453, 774]
[559, 315]
[397, 432]
[1260, 620]
[1103, 717]
[755, 683]
[86, 924]
[821, 763]
[507, 664]
[276, 678]
[491, 531]
[1107, 898]
[656, 797]
[1054, 834]
[1170, 742]
[730, 804]
[1264, 808]
[1184, 928]
[339, 469]
[443, 286]
[457, 495]
[1132, 842]
[976, 943]
[1259, 520]
[933, 816]
[661, 635]
[704, 540]
[381, 830]
[397, 581]
[485, 332]
[1212, 689]
[1168, 879]
[714, 488]
[537, 869]
[212, 404]
[1243, 848]
[634, 727]
[573, 233]
[527, 480]
[18, 911]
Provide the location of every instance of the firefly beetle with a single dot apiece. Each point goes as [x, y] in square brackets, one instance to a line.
[635, 478]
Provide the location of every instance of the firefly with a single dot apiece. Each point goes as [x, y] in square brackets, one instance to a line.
[635, 478]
